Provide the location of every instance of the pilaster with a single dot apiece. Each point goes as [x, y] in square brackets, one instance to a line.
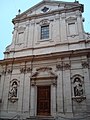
[53, 99]
[67, 88]
[26, 34]
[21, 90]
[6, 88]
[26, 97]
[85, 67]
[59, 88]
[63, 27]
[32, 100]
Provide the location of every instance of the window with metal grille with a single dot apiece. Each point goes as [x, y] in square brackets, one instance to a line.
[45, 32]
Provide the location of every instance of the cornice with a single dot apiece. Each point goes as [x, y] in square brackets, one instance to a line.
[55, 45]
[50, 56]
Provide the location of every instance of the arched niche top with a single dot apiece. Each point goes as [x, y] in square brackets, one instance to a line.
[14, 81]
[74, 77]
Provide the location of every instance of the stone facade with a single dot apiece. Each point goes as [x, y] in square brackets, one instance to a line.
[61, 61]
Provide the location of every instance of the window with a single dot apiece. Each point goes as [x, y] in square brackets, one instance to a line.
[20, 37]
[45, 32]
[72, 28]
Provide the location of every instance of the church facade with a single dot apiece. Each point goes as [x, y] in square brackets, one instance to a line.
[45, 73]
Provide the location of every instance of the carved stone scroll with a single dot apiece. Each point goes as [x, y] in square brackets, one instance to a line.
[85, 64]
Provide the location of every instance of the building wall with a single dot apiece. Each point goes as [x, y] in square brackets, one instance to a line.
[58, 62]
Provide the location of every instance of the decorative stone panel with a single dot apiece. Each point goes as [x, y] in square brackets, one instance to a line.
[59, 66]
[9, 71]
[25, 69]
[85, 64]
[66, 66]
[3, 72]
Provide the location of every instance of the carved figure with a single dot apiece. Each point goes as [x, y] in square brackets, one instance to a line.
[78, 88]
[13, 90]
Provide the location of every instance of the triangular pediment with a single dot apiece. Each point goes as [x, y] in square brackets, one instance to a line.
[47, 6]
[71, 18]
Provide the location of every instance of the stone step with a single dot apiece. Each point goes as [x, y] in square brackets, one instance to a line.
[41, 118]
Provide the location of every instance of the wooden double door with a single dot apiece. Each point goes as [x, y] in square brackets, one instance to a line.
[43, 100]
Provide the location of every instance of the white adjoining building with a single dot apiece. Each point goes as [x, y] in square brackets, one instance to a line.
[45, 73]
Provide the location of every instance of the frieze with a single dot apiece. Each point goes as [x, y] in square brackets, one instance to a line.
[44, 69]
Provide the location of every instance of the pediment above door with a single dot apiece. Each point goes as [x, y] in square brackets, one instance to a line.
[43, 75]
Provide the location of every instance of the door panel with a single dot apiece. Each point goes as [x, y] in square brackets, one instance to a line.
[43, 100]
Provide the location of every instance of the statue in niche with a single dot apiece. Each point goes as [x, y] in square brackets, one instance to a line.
[78, 88]
[13, 90]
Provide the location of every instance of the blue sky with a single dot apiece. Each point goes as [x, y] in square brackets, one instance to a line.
[9, 9]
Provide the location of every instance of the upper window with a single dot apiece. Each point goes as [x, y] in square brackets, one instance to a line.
[72, 28]
[45, 9]
[45, 32]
